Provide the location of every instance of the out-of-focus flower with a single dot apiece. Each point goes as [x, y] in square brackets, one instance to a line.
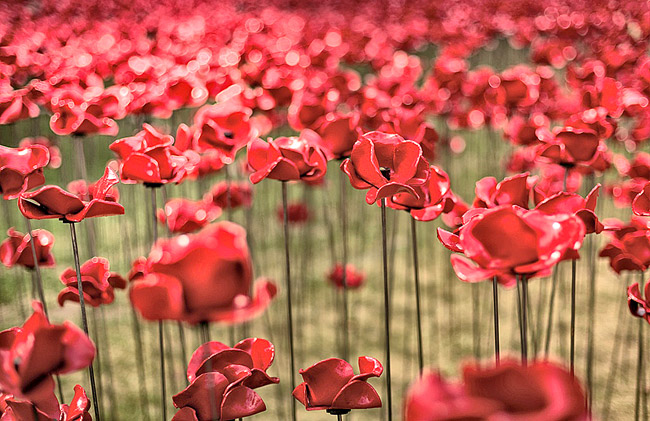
[233, 195]
[641, 203]
[331, 384]
[224, 127]
[17, 249]
[97, 280]
[179, 271]
[353, 277]
[53, 202]
[539, 391]
[297, 213]
[183, 216]
[55, 153]
[31, 354]
[639, 307]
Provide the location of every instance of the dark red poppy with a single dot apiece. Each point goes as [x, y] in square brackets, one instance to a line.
[12, 409]
[297, 213]
[53, 202]
[541, 391]
[223, 378]
[515, 190]
[639, 307]
[150, 157]
[574, 204]
[97, 280]
[353, 277]
[641, 203]
[21, 169]
[331, 384]
[224, 127]
[629, 251]
[183, 216]
[52, 148]
[285, 159]
[569, 146]
[31, 354]
[179, 271]
[233, 195]
[17, 249]
[386, 164]
[507, 241]
[433, 197]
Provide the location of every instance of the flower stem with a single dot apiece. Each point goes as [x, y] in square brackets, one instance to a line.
[84, 320]
[389, 399]
[344, 234]
[495, 301]
[416, 277]
[292, 363]
[640, 366]
[573, 317]
[551, 305]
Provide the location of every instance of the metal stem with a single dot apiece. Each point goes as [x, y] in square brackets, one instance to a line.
[389, 399]
[289, 309]
[495, 301]
[573, 317]
[416, 277]
[344, 234]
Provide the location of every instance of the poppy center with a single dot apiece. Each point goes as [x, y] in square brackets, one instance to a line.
[385, 172]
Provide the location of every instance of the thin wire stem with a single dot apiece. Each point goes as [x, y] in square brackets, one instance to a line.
[389, 399]
[84, 320]
[573, 317]
[292, 363]
[416, 278]
[640, 366]
[495, 301]
[344, 234]
[524, 320]
[551, 305]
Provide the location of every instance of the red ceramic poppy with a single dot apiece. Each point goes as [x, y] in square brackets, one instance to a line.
[150, 157]
[16, 106]
[97, 280]
[78, 408]
[179, 271]
[507, 241]
[641, 203]
[12, 409]
[339, 132]
[433, 197]
[31, 354]
[386, 164]
[297, 213]
[183, 216]
[21, 169]
[515, 190]
[17, 249]
[286, 159]
[628, 251]
[353, 277]
[541, 391]
[224, 127]
[639, 307]
[233, 195]
[223, 378]
[332, 385]
[573, 203]
[73, 114]
[52, 148]
[53, 202]
[570, 146]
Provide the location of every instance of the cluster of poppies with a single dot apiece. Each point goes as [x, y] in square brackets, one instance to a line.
[293, 88]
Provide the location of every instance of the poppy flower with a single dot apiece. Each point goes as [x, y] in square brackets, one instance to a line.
[433, 197]
[630, 251]
[73, 114]
[541, 391]
[569, 146]
[639, 307]
[285, 159]
[55, 153]
[641, 203]
[339, 133]
[515, 190]
[332, 385]
[573, 203]
[507, 241]
[31, 354]
[179, 270]
[150, 157]
[17, 249]
[235, 195]
[53, 202]
[297, 213]
[21, 169]
[12, 409]
[223, 378]
[183, 216]
[386, 164]
[15, 106]
[224, 127]
[98, 283]
[353, 277]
